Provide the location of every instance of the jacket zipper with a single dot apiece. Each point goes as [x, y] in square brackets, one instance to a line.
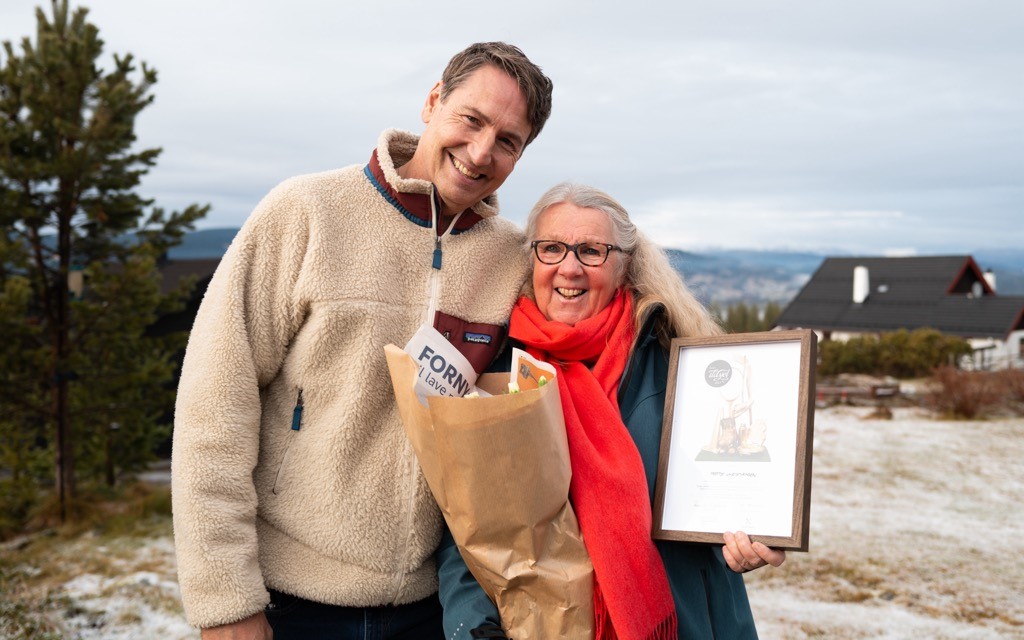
[435, 277]
[436, 257]
[436, 261]
[296, 425]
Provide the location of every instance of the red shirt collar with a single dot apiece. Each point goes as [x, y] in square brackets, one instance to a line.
[415, 206]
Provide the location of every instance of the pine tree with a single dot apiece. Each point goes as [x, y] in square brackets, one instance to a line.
[75, 362]
[741, 318]
[738, 318]
[770, 315]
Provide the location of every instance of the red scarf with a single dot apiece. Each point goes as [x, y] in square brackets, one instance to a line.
[632, 598]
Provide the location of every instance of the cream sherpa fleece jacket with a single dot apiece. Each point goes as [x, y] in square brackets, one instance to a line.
[323, 274]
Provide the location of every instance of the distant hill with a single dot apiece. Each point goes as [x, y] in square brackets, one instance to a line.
[205, 243]
[726, 276]
[722, 276]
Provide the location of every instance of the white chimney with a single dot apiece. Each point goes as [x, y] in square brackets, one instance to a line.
[990, 278]
[861, 284]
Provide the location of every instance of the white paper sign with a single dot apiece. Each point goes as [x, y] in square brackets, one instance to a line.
[443, 370]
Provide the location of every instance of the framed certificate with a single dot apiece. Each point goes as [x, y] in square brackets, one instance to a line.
[737, 438]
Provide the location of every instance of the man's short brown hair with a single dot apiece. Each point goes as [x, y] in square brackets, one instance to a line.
[536, 86]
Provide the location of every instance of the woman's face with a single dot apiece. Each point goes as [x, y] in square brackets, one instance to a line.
[568, 291]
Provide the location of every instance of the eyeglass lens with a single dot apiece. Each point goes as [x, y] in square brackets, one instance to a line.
[588, 253]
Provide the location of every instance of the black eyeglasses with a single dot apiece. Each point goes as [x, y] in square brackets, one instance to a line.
[589, 254]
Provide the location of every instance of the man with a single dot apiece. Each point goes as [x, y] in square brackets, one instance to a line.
[298, 501]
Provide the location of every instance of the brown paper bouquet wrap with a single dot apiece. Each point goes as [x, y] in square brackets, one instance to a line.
[499, 469]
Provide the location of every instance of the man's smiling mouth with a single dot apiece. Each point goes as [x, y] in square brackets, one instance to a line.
[464, 170]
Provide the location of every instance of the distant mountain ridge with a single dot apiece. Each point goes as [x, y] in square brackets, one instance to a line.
[722, 276]
[204, 243]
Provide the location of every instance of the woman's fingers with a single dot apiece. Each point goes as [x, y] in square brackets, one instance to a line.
[742, 555]
[731, 559]
[774, 557]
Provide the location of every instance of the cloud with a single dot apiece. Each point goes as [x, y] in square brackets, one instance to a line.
[702, 224]
[794, 121]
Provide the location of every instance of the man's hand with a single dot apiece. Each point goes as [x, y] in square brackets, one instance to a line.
[742, 555]
[255, 627]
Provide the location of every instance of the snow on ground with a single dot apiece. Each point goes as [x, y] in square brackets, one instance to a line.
[121, 590]
[915, 525]
[915, 529]
[127, 607]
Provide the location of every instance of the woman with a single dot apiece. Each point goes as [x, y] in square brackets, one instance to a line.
[604, 304]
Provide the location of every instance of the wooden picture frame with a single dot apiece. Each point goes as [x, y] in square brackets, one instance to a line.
[737, 437]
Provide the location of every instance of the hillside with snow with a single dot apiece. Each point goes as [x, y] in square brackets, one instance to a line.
[915, 524]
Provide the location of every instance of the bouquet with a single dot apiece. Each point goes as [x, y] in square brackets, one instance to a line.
[498, 466]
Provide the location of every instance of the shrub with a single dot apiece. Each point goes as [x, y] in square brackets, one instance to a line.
[964, 394]
[856, 355]
[17, 499]
[900, 354]
[1010, 384]
[118, 510]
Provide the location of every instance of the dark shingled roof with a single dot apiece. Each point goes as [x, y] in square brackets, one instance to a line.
[940, 292]
[172, 272]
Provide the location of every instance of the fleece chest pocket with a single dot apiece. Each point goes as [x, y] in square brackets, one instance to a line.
[477, 341]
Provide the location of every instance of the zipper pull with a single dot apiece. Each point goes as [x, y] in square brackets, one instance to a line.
[297, 413]
[437, 254]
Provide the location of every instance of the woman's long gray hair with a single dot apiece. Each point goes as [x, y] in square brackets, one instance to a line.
[647, 268]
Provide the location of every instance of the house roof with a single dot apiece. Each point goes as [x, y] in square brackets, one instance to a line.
[173, 271]
[947, 293]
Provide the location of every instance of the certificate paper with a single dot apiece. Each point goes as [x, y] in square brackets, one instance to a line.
[736, 449]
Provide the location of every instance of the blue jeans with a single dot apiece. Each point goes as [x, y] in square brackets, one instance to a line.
[293, 618]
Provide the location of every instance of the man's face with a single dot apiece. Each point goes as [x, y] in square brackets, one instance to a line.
[472, 140]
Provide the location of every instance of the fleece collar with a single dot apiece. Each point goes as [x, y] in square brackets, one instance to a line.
[411, 196]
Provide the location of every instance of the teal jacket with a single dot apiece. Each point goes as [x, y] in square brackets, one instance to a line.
[711, 599]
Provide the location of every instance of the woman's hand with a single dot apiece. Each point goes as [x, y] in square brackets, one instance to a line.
[742, 555]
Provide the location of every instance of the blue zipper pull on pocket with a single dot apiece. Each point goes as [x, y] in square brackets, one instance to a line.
[297, 413]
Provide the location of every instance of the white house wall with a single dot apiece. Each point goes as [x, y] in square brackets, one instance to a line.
[998, 354]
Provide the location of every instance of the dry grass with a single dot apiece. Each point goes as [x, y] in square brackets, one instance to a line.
[977, 394]
[115, 580]
[914, 523]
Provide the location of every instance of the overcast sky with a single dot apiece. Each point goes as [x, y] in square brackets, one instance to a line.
[869, 127]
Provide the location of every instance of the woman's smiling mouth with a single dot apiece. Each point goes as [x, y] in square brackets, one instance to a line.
[570, 293]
